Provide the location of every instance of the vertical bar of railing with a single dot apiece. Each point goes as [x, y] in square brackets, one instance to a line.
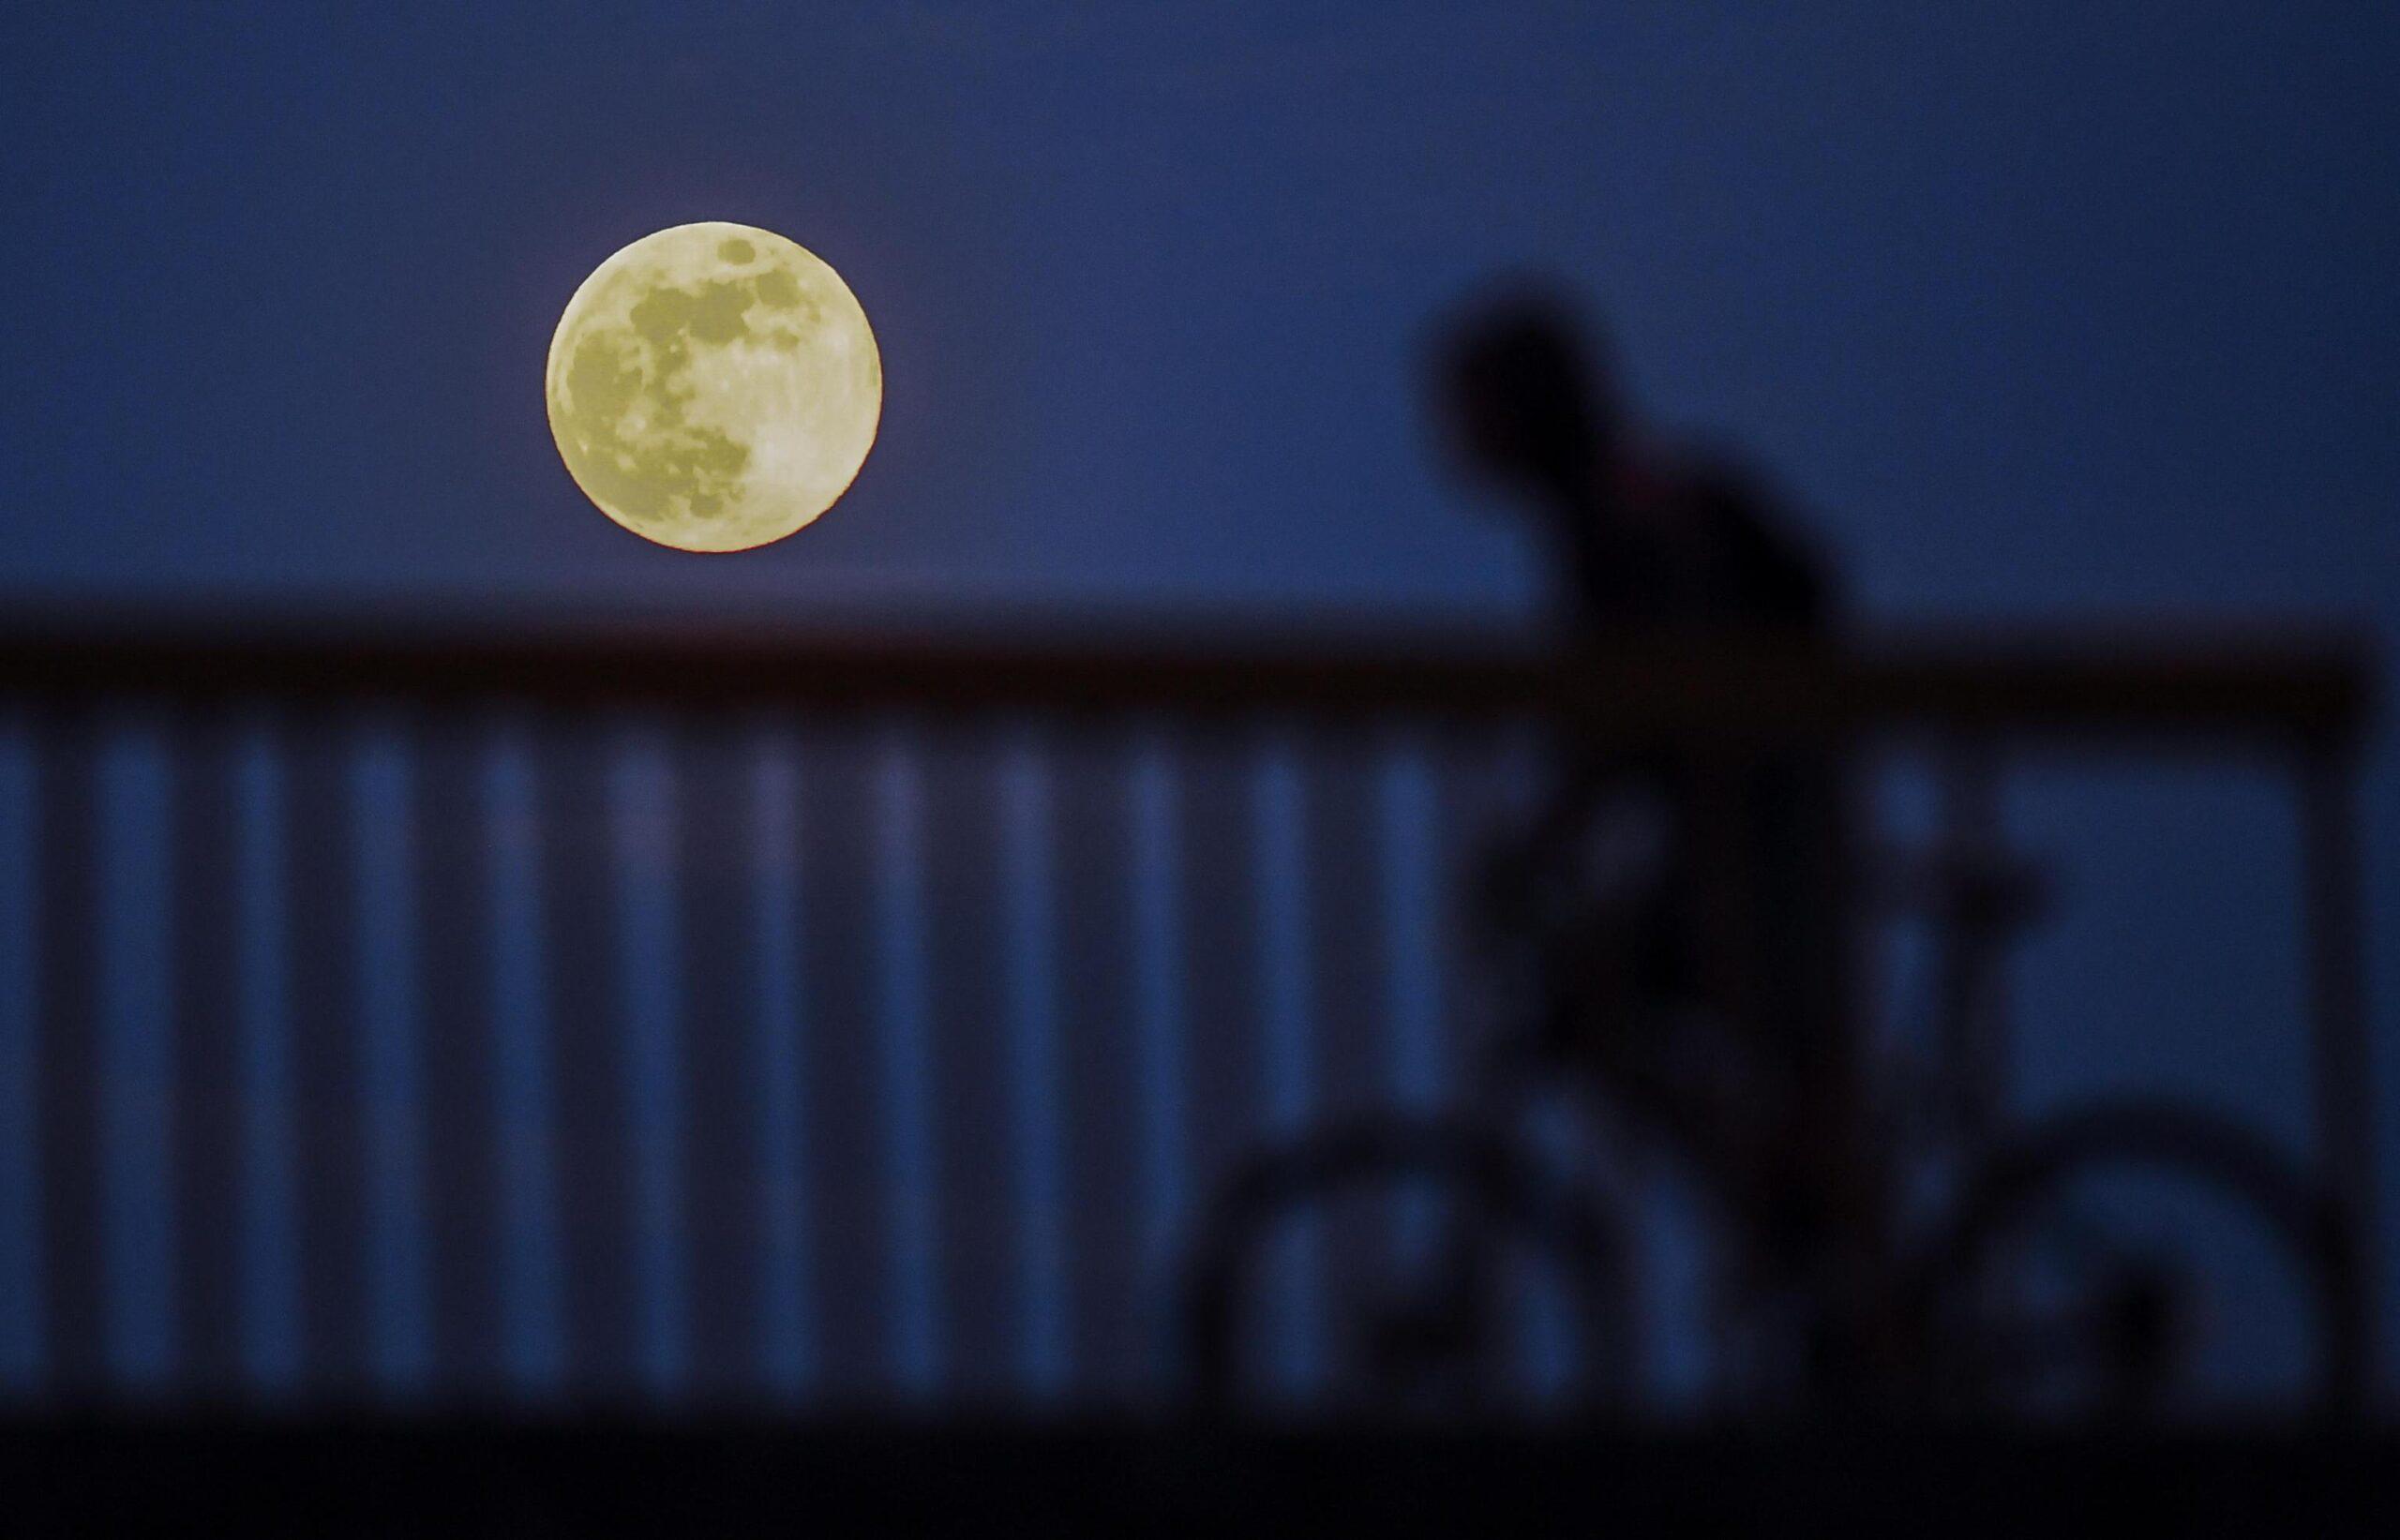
[329, 1174]
[267, 1197]
[2341, 1067]
[1524, 777]
[137, 1023]
[67, 921]
[1974, 984]
[1287, 1028]
[1156, 876]
[524, 1116]
[1036, 1078]
[202, 949]
[642, 820]
[911, 1164]
[22, 1326]
[1412, 956]
[391, 1070]
[786, 1340]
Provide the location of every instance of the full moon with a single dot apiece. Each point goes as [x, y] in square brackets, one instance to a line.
[713, 387]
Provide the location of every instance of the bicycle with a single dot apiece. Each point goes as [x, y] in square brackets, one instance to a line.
[1997, 1295]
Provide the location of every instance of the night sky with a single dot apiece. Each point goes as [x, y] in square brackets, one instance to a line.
[2052, 310]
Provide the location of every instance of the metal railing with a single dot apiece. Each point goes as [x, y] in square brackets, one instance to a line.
[459, 1012]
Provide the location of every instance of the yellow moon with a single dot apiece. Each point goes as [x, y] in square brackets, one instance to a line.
[713, 387]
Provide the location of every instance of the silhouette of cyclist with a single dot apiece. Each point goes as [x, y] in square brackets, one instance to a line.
[1687, 901]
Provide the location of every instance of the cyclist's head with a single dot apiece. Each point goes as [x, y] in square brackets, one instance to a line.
[1519, 391]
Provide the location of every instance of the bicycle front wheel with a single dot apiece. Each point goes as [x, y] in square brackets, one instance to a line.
[2136, 1260]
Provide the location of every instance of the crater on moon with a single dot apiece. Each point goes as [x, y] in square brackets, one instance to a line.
[713, 387]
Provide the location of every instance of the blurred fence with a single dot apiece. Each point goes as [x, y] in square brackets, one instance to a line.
[469, 1016]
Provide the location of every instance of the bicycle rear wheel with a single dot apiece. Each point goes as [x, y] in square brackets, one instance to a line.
[1435, 1324]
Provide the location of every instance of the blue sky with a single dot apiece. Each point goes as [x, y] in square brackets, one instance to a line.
[2035, 310]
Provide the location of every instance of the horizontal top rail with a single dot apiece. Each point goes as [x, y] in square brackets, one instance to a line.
[2065, 681]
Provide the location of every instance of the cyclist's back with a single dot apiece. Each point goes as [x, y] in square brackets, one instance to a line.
[1702, 975]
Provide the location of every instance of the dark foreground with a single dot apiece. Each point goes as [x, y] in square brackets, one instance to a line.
[523, 1479]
